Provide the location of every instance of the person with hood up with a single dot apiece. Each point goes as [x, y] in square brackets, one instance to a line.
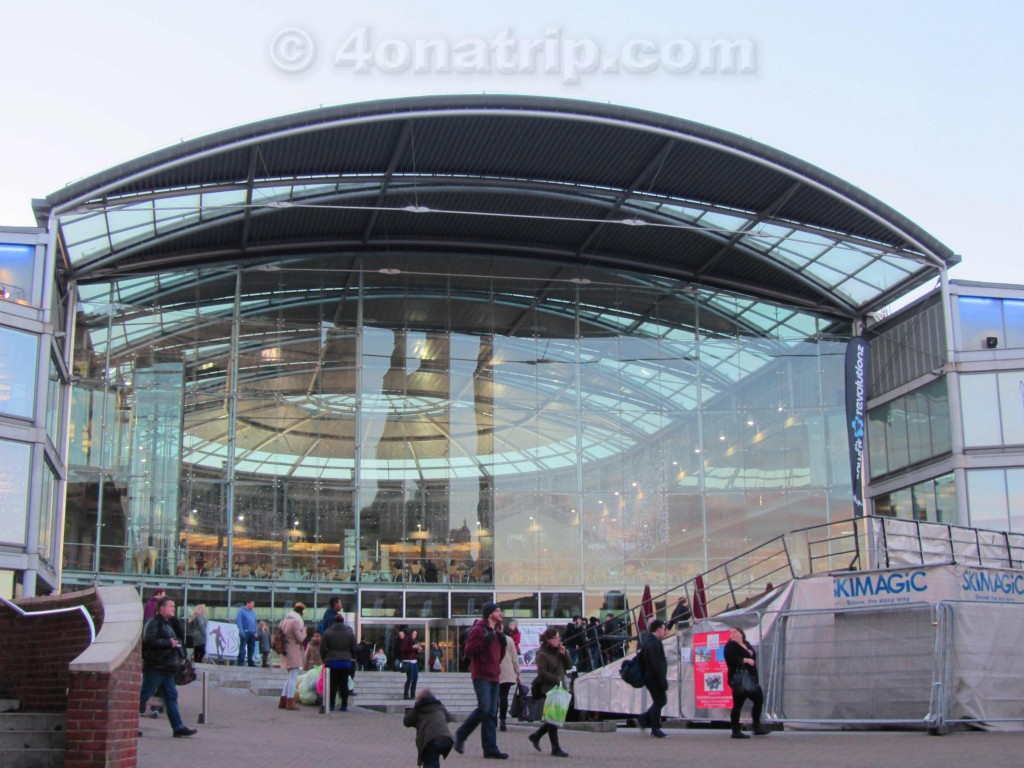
[293, 627]
[430, 718]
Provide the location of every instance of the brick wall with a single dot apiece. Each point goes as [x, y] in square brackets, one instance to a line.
[35, 651]
[103, 717]
[101, 707]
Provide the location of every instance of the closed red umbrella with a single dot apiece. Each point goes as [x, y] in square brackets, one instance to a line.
[700, 600]
[646, 612]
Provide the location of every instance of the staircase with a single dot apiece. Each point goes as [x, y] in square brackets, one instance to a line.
[30, 739]
[381, 691]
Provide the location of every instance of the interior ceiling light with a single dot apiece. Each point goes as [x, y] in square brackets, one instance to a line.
[416, 209]
[390, 271]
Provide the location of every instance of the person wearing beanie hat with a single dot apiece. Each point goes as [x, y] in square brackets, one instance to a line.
[485, 648]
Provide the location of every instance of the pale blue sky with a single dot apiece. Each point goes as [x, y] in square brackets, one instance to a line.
[919, 102]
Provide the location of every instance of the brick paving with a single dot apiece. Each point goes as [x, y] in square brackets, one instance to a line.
[247, 730]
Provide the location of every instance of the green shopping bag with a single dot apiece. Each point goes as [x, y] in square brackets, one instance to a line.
[556, 705]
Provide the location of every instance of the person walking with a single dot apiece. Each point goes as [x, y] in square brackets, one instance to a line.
[161, 654]
[655, 667]
[485, 648]
[263, 638]
[338, 651]
[553, 662]
[681, 614]
[198, 629]
[411, 663]
[245, 620]
[739, 655]
[430, 718]
[293, 627]
[510, 675]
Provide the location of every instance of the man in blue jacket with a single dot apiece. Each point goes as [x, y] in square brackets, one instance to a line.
[247, 633]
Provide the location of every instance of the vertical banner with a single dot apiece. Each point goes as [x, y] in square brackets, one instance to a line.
[710, 673]
[858, 358]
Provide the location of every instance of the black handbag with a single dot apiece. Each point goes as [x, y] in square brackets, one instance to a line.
[743, 683]
[186, 671]
[516, 707]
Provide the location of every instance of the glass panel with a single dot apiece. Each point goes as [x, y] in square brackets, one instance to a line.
[1015, 496]
[987, 499]
[426, 605]
[17, 274]
[979, 319]
[1011, 407]
[15, 472]
[469, 603]
[374, 604]
[1013, 322]
[978, 395]
[561, 605]
[519, 605]
[18, 372]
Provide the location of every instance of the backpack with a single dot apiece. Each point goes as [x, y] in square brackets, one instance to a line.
[277, 641]
[632, 671]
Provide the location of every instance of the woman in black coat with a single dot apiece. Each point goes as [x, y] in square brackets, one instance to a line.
[739, 654]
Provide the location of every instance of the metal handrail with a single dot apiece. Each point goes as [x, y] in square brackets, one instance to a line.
[82, 608]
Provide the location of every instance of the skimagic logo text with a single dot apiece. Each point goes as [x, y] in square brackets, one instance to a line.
[879, 585]
[983, 585]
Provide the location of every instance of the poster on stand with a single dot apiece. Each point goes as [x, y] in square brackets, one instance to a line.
[710, 674]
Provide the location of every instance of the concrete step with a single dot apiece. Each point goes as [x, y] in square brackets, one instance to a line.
[32, 758]
[32, 721]
[16, 740]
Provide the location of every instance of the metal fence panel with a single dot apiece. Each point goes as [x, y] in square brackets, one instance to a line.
[872, 665]
[985, 674]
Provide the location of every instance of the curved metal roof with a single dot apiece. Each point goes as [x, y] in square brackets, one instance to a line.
[549, 179]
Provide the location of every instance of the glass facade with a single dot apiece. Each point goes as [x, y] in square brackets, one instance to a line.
[444, 421]
[932, 500]
[909, 430]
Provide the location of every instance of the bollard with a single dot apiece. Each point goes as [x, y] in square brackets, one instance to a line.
[324, 708]
[202, 719]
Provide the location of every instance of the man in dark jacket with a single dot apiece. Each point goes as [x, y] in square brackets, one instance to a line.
[328, 620]
[161, 654]
[430, 719]
[338, 652]
[485, 649]
[655, 668]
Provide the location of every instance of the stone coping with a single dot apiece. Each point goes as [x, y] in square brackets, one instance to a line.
[119, 633]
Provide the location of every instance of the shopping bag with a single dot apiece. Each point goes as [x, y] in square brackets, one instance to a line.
[556, 705]
[320, 681]
[437, 664]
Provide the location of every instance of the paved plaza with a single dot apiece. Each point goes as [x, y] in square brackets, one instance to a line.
[246, 730]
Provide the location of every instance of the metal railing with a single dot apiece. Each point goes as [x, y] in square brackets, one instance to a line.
[860, 543]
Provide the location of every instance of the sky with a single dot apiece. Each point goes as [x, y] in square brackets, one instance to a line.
[919, 103]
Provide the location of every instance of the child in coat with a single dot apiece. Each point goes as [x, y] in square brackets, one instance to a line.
[430, 718]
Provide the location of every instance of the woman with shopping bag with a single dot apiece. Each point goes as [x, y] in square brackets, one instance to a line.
[552, 663]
